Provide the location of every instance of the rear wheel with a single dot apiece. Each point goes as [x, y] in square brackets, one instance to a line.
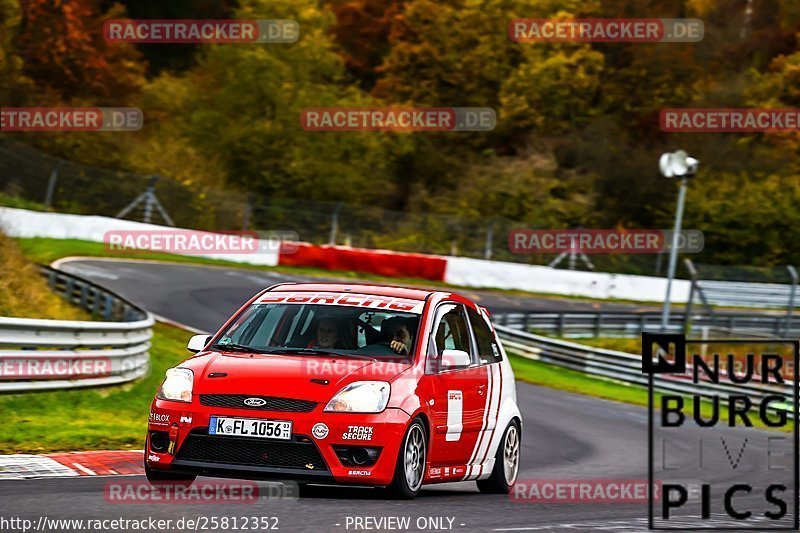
[411, 460]
[158, 478]
[506, 463]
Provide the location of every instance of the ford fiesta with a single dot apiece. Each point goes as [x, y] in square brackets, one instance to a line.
[347, 384]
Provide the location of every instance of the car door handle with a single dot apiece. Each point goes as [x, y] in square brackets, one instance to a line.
[481, 389]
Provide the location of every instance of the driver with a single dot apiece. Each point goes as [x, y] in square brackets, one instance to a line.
[395, 330]
[327, 335]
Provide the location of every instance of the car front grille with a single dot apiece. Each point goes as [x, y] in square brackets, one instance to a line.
[236, 401]
[251, 452]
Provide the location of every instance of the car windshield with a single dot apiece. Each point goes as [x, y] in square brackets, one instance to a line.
[314, 329]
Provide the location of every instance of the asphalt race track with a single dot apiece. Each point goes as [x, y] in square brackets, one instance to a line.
[204, 297]
[564, 436]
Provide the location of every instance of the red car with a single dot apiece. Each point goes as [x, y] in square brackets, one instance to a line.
[347, 384]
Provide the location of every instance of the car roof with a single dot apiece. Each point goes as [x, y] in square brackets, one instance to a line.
[358, 288]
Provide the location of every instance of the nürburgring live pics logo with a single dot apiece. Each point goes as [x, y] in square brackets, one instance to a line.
[710, 396]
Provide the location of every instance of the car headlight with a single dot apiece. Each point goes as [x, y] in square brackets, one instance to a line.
[177, 386]
[361, 397]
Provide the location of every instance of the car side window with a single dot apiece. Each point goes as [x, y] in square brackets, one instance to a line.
[488, 350]
[450, 332]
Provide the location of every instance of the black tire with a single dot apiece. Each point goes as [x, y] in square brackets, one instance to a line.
[414, 448]
[158, 478]
[498, 482]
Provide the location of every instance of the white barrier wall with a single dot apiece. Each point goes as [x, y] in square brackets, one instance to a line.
[459, 270]
[496, 274]
[22, 223]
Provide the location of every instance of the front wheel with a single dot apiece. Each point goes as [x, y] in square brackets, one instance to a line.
[506, 463]
[411, 460]
[160, 478]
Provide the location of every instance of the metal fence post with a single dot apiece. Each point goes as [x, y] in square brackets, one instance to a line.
[51, 184]
[487, 251]
[790, 304]
[334, 224]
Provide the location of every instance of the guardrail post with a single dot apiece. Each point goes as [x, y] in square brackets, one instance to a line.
[68, 287]
[108, 307]
[598, 325]
[790, 304]
[85, 296]
[561, 325]
[96, 302]
[526, 322]
[687, 313]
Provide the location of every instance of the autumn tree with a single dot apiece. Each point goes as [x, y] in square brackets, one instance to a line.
[62, 45]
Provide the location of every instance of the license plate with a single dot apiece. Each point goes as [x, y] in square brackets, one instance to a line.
[250, 427]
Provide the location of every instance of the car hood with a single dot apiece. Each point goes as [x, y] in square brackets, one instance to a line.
[284, 376]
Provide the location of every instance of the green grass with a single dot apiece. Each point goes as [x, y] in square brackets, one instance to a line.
[632, 345]
[90, 419]
[20, 203]
[565, 379]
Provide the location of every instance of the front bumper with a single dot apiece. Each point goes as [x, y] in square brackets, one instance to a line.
[310, 455]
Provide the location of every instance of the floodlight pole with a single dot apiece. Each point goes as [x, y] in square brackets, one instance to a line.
[673, 253]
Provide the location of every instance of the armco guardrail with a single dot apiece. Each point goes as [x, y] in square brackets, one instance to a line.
[619, 366]
[56, 354]
[622, 324]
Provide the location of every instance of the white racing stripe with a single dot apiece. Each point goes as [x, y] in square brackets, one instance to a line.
[497, 377]
[482, 446]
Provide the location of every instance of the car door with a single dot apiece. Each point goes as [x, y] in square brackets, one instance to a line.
[459, 394]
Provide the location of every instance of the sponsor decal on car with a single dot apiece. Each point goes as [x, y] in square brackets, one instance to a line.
[455, 410]
[359, 473]
[358, 433]
[355, 300]
[186, 419]
[435, 473]
[153, 457]
[319, 431]
[159, 419]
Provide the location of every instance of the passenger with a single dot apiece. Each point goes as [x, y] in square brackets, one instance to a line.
[327, 335]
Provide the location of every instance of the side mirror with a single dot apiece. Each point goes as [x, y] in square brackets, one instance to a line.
[455, 359]
[197, 343]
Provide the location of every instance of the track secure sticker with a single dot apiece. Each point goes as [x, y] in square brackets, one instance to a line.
[358, 433]
[319, 431]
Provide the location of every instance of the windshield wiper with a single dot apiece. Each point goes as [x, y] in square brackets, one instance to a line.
[315, 351]
[233, 347]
